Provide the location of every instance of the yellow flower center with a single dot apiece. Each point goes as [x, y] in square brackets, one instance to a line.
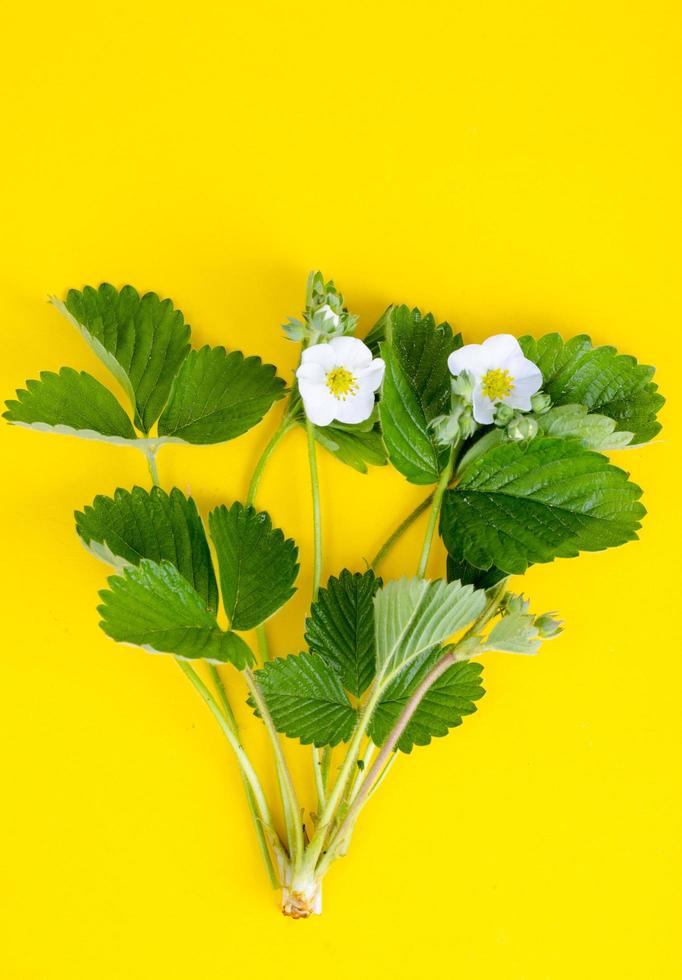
[341, 383]
[497, 383]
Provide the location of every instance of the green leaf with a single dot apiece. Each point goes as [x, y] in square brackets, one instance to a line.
[138, 524]
[71, 403]
[601, 379]
[594, 431]
[306, 700]
[143, 341]
[218, 396]
[340, 628]
[358, 445]
[460, 570]
[549, 499]
[443, 706]
[416, 390]
[258, 566]
[413, 616]
[154, 607]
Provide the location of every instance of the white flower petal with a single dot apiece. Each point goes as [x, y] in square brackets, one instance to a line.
[501, 348]
[351, 353]
[312, 371]
[471, 357]
[318, 402]
[373, 375]
[520, 367]
[483, 408]
[323, 354]
[357, 408]
[524, 389]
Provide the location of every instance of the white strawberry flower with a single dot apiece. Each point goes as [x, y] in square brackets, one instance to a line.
[338, 380]
[501, 374]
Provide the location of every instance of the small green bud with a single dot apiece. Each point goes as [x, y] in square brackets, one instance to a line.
[324, 321]
[515, 603]
[463, 385]
[504, 414]
[445, 429]
[467, 423]
[522, 429]
[540, 402]
[547, 626]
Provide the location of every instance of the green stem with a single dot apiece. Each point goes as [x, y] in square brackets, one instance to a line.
[326, 764]
[315, 487]
[263, 645]
[434, 514]
[285, 425]
[382, 760]
[319, 779]
[250, 799]
[150, 456]
[247, 769]
[382, 553]
[292, 809]
[336, 795]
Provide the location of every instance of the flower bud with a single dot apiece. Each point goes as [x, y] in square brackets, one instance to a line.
[467, 423]
[463, 385]
[504, 414]
[445, 429]
[540, 402]
[515, 603]
[547, 626]
[522, 429]
[325, 321]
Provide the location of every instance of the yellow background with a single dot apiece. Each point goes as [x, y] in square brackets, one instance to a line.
[510, 166]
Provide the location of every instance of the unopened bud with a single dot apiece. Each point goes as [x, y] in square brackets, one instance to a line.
[540, 402]
[463, 385]
[547, 626]
[522, 429]
[503, 415]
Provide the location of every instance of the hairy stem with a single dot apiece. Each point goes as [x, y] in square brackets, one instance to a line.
[285, 425]
[383, 759]
[250, 798]
[245, 765]
[256, 810]
[263, 645]
[437, 500]
[319, 779]
[315, 487]
[292, 809]
[387, 546]
[150, 456]
[335, 797]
